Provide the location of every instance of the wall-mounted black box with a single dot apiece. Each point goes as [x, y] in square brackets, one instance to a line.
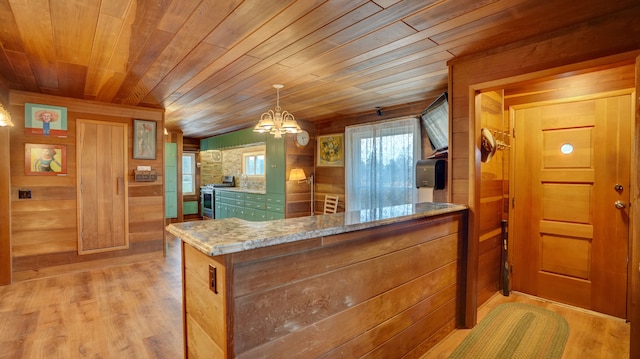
[431, 173]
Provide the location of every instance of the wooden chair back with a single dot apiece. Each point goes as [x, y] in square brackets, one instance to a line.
[330, 203]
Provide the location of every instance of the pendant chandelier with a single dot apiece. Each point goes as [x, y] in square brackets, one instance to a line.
[277, 122]
[5, 117]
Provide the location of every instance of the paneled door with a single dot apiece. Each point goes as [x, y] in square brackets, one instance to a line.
[570, 224]
[102, 186]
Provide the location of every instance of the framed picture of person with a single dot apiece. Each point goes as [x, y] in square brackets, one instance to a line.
[144, 139]
[45, 159]
[45, 120]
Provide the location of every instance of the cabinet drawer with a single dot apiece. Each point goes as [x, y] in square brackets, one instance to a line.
[275, 208]
[275, 199]
[253, 197]
[254, 205]
[270, 216]
[190, 207]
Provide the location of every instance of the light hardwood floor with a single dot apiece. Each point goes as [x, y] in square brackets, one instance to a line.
[130, 311]
[134, 311]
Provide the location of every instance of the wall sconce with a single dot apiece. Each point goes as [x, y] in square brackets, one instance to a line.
[297, 174]
[5, 117]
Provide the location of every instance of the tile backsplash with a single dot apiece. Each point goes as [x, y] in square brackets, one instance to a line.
[230, 164]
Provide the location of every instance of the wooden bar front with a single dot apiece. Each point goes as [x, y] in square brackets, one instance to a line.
[388, 291]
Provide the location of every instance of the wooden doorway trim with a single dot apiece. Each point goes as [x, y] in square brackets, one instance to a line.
[634, 266]
[474, 160]
[5, 208]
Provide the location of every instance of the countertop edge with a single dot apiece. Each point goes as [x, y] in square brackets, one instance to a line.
[231, 235]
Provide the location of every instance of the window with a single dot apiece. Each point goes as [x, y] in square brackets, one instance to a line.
[188, 173]
[380, 163]
[253, 164]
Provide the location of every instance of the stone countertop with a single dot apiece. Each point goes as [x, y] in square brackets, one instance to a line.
[230, 235]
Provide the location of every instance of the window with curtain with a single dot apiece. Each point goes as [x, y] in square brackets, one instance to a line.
[380, 163]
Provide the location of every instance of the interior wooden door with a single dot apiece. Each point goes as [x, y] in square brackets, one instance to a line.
[102, 186]
[571, 217]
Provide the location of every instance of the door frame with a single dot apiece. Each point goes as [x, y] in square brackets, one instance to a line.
[633, 280]
[634, 283]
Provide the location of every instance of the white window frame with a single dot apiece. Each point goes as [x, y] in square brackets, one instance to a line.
[192, 172]
[254, 155]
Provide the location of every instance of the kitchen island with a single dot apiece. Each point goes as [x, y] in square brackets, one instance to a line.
[383, 283]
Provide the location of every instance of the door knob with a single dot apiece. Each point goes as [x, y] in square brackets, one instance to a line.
[619, 204]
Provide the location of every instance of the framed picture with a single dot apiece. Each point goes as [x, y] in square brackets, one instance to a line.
[45, 159]
[144, 139]
[45, 120]
[331, 150]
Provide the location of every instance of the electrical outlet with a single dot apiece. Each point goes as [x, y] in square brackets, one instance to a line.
[24, 194]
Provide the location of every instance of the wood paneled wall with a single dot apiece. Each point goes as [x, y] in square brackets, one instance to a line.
[298, 195]
[560, 52]
[331, 180]
[5, 196]
[494, 186]
[44, 228]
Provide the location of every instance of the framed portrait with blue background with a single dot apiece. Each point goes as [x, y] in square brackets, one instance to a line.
[45, 120]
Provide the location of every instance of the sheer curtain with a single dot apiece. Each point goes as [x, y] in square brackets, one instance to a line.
[380, 163]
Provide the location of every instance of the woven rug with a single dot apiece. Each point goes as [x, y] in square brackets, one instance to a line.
[516, 330]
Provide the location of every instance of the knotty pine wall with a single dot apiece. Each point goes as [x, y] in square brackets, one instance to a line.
[494, 192]
[298, 195]
[601, 42]
[331, 180]
[44, 228]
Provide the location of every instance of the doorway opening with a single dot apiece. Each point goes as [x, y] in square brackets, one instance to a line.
[539, 244]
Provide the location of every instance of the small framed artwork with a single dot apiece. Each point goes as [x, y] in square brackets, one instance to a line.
[331, 150]
[45, 159]
[45, 120]
[144, 139]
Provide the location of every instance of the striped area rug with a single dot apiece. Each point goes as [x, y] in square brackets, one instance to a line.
[516, 330]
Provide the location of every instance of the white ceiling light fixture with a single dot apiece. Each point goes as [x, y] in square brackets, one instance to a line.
[277, 122]
[5, 117]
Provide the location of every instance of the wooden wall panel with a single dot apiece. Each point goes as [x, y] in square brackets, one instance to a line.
[45, 226]
[492, 178]
[378, 314]
[298, 198]
[529, 59]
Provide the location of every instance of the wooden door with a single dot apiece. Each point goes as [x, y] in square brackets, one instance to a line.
[102, 186]
[570, 241]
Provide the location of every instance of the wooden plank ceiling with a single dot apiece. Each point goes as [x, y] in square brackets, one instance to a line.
[212, 63]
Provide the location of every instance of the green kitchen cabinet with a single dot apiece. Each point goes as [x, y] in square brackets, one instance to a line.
[190, 207]
[276, 163]
[171, 180]
[232, 139]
